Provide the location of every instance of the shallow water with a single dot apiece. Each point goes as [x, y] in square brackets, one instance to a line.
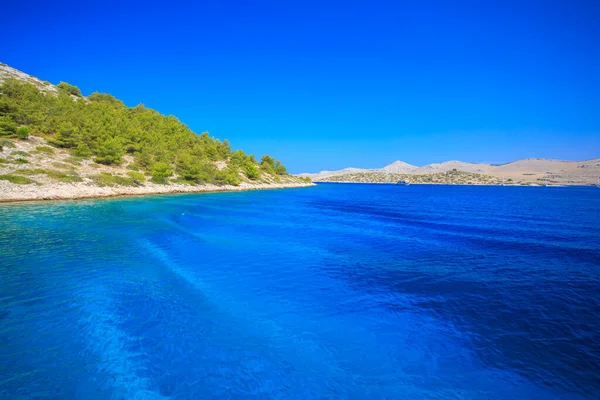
[338, 291]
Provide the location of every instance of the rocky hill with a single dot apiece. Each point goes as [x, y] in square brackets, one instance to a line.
[56, 143]
[7, 72]
[399, 167]
[530, 171]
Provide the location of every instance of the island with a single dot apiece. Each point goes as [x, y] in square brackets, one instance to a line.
[526, 172]
[56, 143]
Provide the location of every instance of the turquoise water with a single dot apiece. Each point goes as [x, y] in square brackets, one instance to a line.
[332, 292]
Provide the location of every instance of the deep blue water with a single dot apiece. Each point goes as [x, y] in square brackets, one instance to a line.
[332, 292]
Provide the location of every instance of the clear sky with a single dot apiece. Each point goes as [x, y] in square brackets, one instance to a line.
[328, 84]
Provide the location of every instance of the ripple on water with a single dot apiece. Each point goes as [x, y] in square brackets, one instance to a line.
[338, 291]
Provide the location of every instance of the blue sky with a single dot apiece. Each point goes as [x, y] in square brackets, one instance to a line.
[326, 85]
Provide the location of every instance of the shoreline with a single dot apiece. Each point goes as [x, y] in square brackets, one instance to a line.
[460, 184]
[12, 193]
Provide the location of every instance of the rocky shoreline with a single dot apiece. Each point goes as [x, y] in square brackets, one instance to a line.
[10, 192]
[32, 170]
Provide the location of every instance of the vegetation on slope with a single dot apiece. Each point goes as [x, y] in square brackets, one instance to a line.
[104, 129]
[19, 180]
[450, 177]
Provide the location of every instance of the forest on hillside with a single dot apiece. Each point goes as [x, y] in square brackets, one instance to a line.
[103, 128]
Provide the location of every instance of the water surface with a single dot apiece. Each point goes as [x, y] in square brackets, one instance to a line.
[338, 291]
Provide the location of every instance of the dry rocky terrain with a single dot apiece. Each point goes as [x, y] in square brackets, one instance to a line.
[33, 170]
[530, 171]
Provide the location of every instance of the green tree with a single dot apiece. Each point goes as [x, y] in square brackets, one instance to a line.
[191, 173]
[267, 164]
[252, 172]
[110, 152]
[280, 170]
[83, 150]
[227, 176]
[22, 132]
[8, 127]
[137, 177]
[66, 136]
[105, 98]
[267, 160]
[160, 172]
[144, 159]
[68, 88]
[238, 158]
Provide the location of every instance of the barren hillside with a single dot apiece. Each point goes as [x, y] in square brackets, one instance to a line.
[530, 171]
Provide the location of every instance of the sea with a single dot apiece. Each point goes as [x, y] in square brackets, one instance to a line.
[339, 291]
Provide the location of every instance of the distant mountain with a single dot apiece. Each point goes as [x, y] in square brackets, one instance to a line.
[451, 165]
[396, 167]
[539, 165]
[324, 174]
[399, 167]
[525, 172]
